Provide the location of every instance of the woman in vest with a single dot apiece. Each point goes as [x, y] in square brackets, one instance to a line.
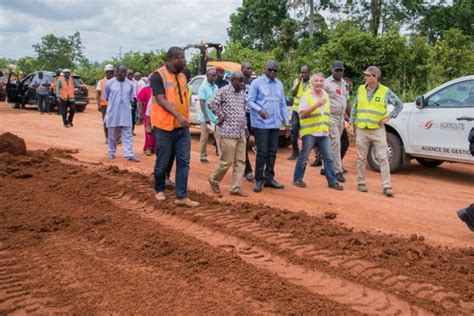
[314, 112]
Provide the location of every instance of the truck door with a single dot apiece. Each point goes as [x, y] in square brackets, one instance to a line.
[440, 129]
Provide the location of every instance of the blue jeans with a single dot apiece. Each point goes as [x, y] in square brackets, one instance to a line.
[295, 131]
[266, 141]
[167, 142]
[324, 146]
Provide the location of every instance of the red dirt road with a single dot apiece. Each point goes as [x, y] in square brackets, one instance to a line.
[425, 204]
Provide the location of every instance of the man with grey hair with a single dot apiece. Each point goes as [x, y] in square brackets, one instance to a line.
[267, 111]
[229, 106]
[369, 115]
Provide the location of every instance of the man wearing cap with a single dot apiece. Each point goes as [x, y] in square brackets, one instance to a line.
[220, 82]
[369, 115]
[119, 93]
[336, 88]
[65, 93]
[267, 111]
[101, 102]
[229, 106]
[300, 86]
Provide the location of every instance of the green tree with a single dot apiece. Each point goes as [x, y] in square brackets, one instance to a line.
[257, 23]
[57, 52]
[26, 65]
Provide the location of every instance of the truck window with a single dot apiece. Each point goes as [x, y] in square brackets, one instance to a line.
[460, 94]
[195, 84]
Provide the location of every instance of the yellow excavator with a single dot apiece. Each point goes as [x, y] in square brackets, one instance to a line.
[206, 62]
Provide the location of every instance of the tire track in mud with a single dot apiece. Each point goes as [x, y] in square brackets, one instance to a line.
[356, 296]
[20, 293]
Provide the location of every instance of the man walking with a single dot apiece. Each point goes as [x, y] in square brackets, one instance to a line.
[267, 111]
[246, 68]
[369, 115]
[119, 92]
[170, 118]
[101, 102]
[65, 93]
[206, 118]
[336, 88]
[300, 86]
[229, 106]
[314, 112]
[42, 86]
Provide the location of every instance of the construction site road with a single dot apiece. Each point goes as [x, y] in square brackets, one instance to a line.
[80, 234]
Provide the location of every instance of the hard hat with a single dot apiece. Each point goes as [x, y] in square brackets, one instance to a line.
[108, 67]
[66, 70]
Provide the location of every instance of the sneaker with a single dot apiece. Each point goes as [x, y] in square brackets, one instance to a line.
[186, 202]
[300, 184]
[336, 186]
[388, 192]
[160, 196]
[293, 156]
[133, 158]
[340, 177]
[362, 187]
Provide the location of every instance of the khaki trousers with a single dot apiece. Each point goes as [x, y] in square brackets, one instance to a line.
[205, 132]
[336, 128]
[232, 154]
[364, 138]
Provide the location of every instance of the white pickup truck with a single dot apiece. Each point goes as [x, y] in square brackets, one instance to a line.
[434, 129]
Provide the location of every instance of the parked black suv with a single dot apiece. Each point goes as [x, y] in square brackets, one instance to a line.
[20, 92]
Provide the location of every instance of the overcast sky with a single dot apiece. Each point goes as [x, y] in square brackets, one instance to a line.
[107, 25]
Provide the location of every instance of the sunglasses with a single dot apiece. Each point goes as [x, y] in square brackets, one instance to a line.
[272, 70]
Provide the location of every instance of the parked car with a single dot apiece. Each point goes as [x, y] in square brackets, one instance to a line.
[3, 88]
[433, 129]
[21, 92]
[195, 109]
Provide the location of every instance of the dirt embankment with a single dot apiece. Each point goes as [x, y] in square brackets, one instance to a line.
[87, 238]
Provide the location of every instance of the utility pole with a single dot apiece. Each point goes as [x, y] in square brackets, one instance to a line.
[311, 19]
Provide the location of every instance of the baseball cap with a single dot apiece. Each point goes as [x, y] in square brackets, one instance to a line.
[66, 70]
[108, 67]
[338, 65]
[219, 68]
[373, 70]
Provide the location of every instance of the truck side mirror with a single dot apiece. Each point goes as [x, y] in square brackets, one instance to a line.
[420, 102]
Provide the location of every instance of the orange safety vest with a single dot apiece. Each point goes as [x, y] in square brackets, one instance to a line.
[55, 82]
[67, 89]
[161, 118]
[103, 102]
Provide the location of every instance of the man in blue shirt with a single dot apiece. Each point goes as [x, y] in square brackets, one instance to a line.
[206, 118]
[267, 111]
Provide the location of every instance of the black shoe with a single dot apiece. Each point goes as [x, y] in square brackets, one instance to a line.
[300, 184]
[316, 163]
[322, 172]
[249, 176]
[258, 186]
[273, 184]
[293, 156]
[336, 186]
[70, 124]
[66, 125]
[340, 177]
[462, 214]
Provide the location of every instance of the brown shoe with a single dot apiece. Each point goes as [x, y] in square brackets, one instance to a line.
[214, 186]
[239, 193]
[186, 202]
[160, 196]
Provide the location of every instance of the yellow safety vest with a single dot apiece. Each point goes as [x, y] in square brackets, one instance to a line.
[369, 114]
[301, 90]
[315, 122]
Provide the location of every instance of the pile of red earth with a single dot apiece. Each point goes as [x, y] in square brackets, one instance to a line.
[91, 239]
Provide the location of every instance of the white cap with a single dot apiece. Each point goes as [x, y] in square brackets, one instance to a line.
[66, 70]
[108, 67]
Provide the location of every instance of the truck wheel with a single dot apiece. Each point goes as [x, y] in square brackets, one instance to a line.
[429, 162]
[284, 142]
[394, 151]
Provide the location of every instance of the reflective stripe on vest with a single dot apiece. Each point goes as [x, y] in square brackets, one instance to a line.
[316, 122]
[301, 90]
[66, 91]
[369, 114]
[161, 118]
[103, 102]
